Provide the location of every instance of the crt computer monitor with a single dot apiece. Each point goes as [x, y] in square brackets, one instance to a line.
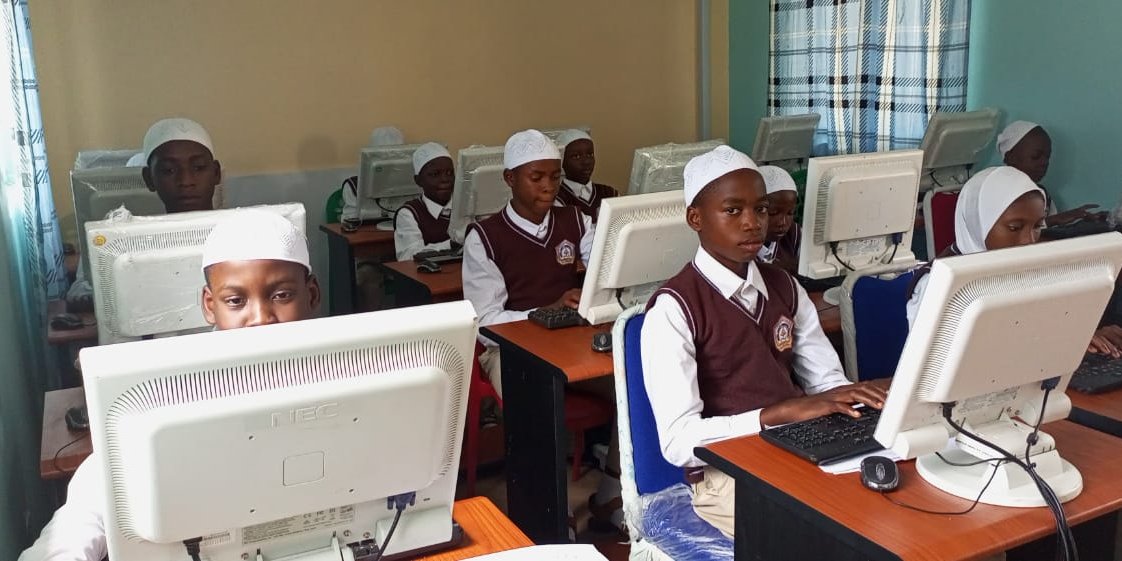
[284, 439]
[147, 276]
[480, 189]
[385, 179]
[991, 328]
[640, 242]
[785, 140]
[659, 168]
[92, 159]
[953, 144]
[859, 212]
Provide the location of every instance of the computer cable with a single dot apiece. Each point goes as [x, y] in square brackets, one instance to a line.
[399, 502]
[834, 251]
[54, 461]
[968, 509]
[193, 548]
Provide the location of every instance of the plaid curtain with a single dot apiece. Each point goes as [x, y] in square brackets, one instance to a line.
[874, 69]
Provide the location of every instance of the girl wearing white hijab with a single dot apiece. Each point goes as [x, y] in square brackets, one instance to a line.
[1026, 146]
[999, 208]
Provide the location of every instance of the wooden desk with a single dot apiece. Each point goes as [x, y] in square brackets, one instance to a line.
[367, 242]
[414, 288]
[58, 337]
[537, 364]
[786, 496]
[1099, 411]
[56, 436]
[828, 314]
[486, 531]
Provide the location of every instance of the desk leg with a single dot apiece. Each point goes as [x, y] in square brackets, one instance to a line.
[341, 261]
[534, 422]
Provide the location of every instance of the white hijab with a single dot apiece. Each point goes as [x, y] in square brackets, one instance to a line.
[982, 201]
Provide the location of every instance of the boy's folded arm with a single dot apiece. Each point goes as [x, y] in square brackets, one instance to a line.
[484, 286]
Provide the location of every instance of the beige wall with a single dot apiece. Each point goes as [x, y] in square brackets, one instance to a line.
[288, 84]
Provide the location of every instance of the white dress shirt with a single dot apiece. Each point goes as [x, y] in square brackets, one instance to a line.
[915, 298]
[76, 532]
[407, 237]
[484, 285]
[670, 363]
[767, 252]
[582, 192]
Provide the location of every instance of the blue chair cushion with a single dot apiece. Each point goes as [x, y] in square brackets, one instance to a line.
[652, 472]
[880, 320]
[670, 523]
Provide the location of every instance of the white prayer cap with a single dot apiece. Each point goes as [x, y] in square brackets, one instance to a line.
[570, 136]
[250, 234]
[982, 201]
[1013, 134]
[704, 169]
[386, 136]
[528, 146]
[136, 161]
[777, 179]
[426, 153]
[167, 130]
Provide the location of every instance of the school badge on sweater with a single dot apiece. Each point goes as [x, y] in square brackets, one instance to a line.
[566, 253]
[783, 334]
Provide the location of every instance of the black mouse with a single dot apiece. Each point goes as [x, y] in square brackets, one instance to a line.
[427, 266]
[879, 474]
[66, 322]
[77, 419]
[602, 342]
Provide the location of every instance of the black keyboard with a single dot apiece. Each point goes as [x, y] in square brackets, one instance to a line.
[1097, 374]
[1075, 230]
[441, 256]
[556, 318]
[828, 439]
[819, 285]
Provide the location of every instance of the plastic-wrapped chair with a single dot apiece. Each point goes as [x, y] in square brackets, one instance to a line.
[656, 502]
[938, 218]
[875, 320]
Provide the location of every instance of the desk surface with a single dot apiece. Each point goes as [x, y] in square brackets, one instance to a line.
[914, 535]
[1108, 404]
[56, 435]
[63, 336]
[568, 349]
[486, 531]
[366, 234]
[828, 314]
[448, 282]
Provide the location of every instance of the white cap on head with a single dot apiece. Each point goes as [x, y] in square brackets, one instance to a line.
[136, 161]
[426, 153]
[981, 202]
[250, 234]
[528, 146]
[704, 169]
[168, 130]
[570, 136]
[1013, 134]
[777, 179]
[386, 136]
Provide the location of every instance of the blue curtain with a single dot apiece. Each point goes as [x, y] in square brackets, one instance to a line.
[874, 69]
[31, 271]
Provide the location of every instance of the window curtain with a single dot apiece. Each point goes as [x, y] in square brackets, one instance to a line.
[31, 271]
[874, 69]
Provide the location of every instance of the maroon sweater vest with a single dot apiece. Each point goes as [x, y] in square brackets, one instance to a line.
[433, 230]
[590, 208]
[743, 359]
[536, 272]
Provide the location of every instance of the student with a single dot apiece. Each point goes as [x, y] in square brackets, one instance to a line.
[381, 136]
[422, 223]
[781, 247]
[257, 273]
[1027, 147]
[578, 162]
[735, 344]
[179, 166]
[998, 208]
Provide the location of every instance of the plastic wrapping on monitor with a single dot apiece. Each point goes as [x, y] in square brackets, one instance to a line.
[91, 159]
[659, 168]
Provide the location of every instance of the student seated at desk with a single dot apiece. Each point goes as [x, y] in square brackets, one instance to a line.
[180, 167]
[1026, 146]
[257, 273]
[731, 345]
[578, 162]
[422, 223]
[781, 247]
[998, 208]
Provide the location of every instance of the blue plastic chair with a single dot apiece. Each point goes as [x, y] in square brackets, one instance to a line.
[875, 320]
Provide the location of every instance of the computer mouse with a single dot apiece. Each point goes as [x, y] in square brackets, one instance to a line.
[66, 322]
[77, 418]
[602, 342]
[427, 266]
[879, 474]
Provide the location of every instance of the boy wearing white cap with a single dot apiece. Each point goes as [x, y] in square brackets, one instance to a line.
[257, 273]
[578, 161]
[180, 165]
[1026, 146]
[781, 246]
[422, 223]
[735, 344]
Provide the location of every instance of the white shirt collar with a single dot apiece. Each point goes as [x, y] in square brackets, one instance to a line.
[434, 208]
[584, 192]
[537, 230]
[728, 283]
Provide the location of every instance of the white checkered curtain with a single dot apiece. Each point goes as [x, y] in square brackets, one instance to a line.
[874, 69]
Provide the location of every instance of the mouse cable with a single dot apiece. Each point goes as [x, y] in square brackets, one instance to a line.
[54, 461]
[968, 509]
[834, 251]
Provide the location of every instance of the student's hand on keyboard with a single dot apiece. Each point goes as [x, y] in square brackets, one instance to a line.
[838, 400]
[570, 299]
[1107, 341]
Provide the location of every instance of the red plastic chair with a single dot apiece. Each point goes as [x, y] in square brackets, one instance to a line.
[582, 412]
[938, 217]
[479, 388]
